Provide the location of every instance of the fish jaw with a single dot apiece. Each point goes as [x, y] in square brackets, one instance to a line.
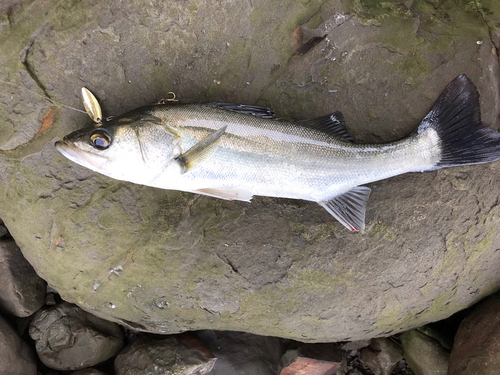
[86, 159]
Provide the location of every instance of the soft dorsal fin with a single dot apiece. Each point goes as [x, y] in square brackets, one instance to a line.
[349, 208]
[226, 193]
[200, 151]
[332, 124]
[262, 112]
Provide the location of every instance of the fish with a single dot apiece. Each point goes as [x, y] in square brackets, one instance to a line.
[235, 151]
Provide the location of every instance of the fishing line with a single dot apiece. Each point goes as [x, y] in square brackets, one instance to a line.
[42, 96]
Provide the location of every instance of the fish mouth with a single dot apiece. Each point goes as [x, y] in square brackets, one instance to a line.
[79, 156]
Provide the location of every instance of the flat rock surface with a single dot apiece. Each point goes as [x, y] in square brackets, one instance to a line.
[167, 262]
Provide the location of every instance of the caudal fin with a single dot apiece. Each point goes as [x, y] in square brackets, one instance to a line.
[456, 118]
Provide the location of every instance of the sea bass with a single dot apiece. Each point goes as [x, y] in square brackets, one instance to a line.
[234, 152]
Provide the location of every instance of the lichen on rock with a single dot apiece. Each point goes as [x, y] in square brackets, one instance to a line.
[167, 262]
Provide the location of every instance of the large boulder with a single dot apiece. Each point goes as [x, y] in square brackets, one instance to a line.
[23, 291]
[16, 357]
[476, 349]
[168, 262]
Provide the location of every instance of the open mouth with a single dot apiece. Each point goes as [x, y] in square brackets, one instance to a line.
[87, 159]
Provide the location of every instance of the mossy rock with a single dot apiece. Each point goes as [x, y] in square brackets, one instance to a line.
[167, 262]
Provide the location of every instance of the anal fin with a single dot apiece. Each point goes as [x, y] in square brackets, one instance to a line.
[349, 208]
[226, 193]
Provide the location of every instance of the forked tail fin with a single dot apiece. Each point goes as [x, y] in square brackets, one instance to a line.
[456, 118]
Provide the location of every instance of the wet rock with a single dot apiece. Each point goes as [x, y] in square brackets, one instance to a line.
[243, 353]
[16, 357]
[274, 266]
[176, 355]
[423, 354]
[23, 291]
[476, 350]
[382, 356]
[68, 338]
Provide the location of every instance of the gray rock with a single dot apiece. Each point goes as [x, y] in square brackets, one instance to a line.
[423, 354]
[68, 338]
[173, 355]
[382, 356]
[23, 291]
[168, 262]
[16, 357]
[476, 350]
[355, 345]
[243, 353]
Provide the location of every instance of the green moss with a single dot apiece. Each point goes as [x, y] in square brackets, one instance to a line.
[268, 301]
[315, 233]
[393, 316]
[382, 230]
[192, 8]
[320, 279]
[373, 12]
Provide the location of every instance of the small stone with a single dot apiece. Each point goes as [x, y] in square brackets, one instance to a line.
[16, 357]
[68, 338]
[87, 371]
[355, 345]
[311, 359]
[382, 356]
[174, 355]
[423, 354]
[50, 299]
[308, 366]
[476, 350]
[23, 291]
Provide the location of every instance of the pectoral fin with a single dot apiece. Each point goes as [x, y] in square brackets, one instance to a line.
[227, 194]
[349, 208]
[200, 151]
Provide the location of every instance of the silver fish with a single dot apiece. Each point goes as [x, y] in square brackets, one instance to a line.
[232, 151]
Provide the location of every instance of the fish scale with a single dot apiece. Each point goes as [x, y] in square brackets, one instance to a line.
[234, 151]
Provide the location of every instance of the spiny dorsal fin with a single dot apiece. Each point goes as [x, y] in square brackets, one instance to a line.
[252, 110]
[349, 208]
[200, 151]
[332, 124]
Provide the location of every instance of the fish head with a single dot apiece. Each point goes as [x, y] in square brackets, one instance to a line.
[133, 147]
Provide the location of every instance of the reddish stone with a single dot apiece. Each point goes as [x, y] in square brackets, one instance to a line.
[308, 366]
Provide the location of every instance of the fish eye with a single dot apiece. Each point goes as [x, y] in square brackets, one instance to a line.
[100, 139]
